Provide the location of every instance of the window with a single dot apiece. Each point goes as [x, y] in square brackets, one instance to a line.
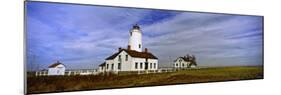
[126, 58]
[139, 45]
[140, 65]
[150, 65]
[119, 66]
[119, 58]
[182, 64]
[107, 66]
[176, 64]
[154, 65]
[112, 66]
[136, 65]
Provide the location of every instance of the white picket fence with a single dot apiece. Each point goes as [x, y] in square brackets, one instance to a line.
[70, 72]
[41, 73]
[96, 72]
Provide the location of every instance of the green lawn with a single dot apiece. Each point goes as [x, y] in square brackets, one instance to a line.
[73, 83]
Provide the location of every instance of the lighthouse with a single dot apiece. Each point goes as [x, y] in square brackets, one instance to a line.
[135, 39]
[132, 58]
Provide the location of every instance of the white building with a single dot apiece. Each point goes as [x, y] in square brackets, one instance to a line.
[132, 58]
[101, 67]
[56, 69]
[187, 61]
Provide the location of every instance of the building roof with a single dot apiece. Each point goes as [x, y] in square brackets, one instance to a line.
[186, 58]
[56, 64]
[102, 64]
[133, 53]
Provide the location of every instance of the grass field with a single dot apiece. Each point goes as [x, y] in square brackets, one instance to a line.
[74, 83]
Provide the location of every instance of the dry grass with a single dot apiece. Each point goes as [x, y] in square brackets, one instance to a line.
[73, 83]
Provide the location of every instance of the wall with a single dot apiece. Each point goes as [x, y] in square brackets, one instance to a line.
[128, 65]
[135, 39]
[179, 64]
[142, 60]
[58, 70]
[125, 65]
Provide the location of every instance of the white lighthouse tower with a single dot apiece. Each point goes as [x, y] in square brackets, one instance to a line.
[135, 39]
[132, 58]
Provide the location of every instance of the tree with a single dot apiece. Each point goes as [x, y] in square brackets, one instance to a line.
[193, 60]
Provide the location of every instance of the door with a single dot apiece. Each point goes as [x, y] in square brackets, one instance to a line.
[146, 65]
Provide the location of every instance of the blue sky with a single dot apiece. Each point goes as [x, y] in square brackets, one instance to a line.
[83, 36]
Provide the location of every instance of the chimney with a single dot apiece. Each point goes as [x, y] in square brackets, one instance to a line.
[129, 47]
[119, 49]
[145, 50]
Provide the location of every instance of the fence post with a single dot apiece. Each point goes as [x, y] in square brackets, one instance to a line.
[69, 73]
[36, 73]
[117, 72]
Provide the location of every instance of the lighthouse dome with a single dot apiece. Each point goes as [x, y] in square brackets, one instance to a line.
[136, 26]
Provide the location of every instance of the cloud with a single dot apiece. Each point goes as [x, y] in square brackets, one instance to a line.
[213, 38]
[83, 36]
